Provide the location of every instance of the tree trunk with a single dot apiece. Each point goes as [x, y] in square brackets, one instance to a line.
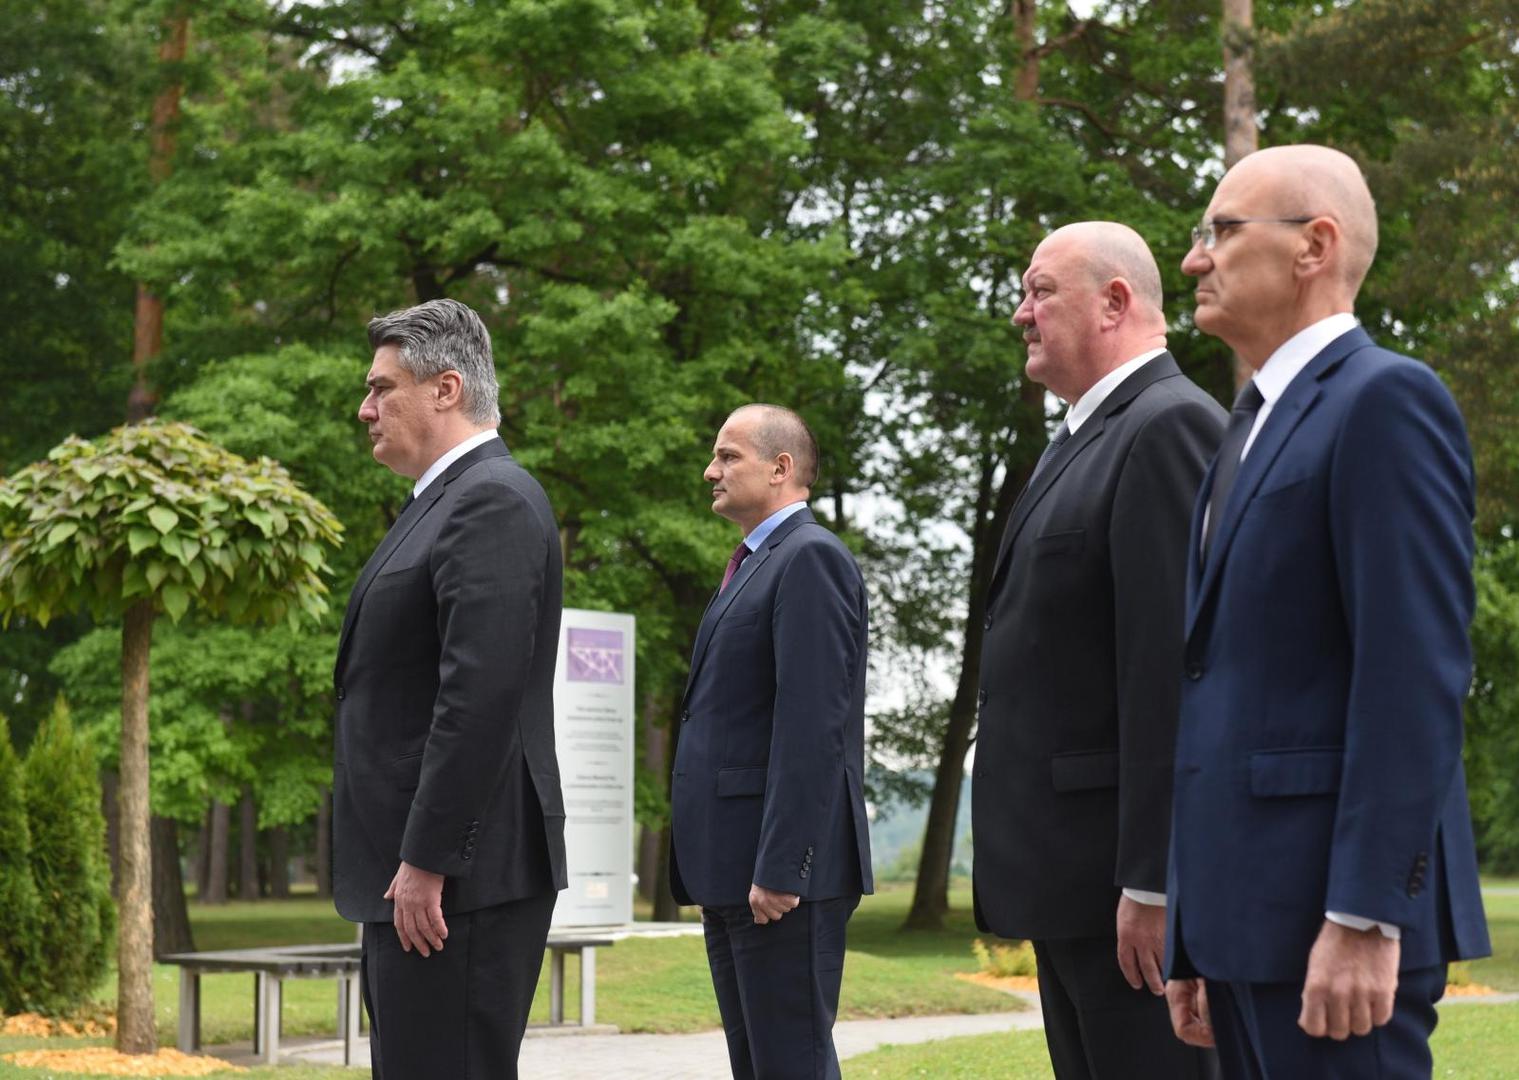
[1241, 133]
[203, 855]
[216, 861]
[247, 835]
[171, 916]
[655, 756]
[135, 1033]
[279, 862]
[324, 844]
[147, 329]
[110, 798]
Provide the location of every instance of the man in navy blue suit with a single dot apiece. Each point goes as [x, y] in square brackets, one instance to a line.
[767, 799]
[1322, 868]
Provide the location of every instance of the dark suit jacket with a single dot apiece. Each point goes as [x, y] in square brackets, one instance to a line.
[1079, 686]
[768, 786]
[445, 687]
[1318, 763]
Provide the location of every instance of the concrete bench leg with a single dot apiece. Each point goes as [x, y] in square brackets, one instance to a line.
[587, 986]
[269, 1019]
[189, 1010]
[348, 1015]
[556, 986]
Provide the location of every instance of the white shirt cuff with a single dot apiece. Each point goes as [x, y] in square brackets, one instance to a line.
[1360, 922]
[1140, 896]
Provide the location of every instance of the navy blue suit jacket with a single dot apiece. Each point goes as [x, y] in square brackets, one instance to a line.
[1318, 761]
[768, 786]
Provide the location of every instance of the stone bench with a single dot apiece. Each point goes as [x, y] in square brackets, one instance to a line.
[271, 966]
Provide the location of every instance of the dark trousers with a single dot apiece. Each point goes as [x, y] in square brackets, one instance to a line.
[1098, 1027]
[778, 987]
[1255, 1026]
[459, 1013]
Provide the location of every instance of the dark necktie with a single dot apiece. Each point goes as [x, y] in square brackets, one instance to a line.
[1241, 420]
[740, 553]
[1057, 440]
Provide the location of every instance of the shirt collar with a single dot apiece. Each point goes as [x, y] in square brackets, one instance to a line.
[435, 470]
[1089, 402]
[763, 530]
[1293, 355]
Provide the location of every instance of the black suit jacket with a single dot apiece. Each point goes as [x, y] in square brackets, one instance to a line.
[1081, 665]
[768, 786]
[445, 688]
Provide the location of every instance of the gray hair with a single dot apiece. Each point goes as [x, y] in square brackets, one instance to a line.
[439, 336]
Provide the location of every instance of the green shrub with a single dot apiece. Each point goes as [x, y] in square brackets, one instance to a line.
[1005, 960]
[73, 879]
[18, 893]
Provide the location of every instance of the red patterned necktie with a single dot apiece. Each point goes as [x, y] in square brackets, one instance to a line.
[740, 553]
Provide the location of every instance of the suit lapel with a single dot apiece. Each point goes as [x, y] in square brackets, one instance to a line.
[401, 528]
[1161, 367]
[1275, 432]
[723, 600]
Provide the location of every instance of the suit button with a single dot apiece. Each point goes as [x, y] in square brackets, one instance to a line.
[987, 625]
[802, 872]
[1194, 671]
[809, 851]
[685, 715]
[341, 693]
[981, 699]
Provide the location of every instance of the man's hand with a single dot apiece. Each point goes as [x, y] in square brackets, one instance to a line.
[419, 909]
[769, 905]
[1352, 977]
[1142, 944]
[1188, 1001]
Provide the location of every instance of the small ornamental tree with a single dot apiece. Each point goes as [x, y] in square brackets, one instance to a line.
[152, 518]
[73, 926]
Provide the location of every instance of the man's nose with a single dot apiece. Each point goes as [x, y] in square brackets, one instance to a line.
[1024, 314]
[713, 473]
[1195, 262]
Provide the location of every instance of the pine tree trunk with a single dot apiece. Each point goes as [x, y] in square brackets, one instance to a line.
[279, 862]
[171, 916]
[655, 755]
[324, 844]
[203, 855]
[216, 868]
[247, 836]
[1241, 132]
[135, 1033]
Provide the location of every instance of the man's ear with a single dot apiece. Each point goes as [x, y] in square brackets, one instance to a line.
[1319, 247]
[1117, 299]
[782, 469]
[448, 389]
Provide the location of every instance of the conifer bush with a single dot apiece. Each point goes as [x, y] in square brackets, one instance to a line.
[69, 866]
[18, 893]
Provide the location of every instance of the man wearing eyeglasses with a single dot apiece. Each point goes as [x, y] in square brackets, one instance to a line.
[1322, 867]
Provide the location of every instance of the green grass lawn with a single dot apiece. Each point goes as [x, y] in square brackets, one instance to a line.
[1473, 1042]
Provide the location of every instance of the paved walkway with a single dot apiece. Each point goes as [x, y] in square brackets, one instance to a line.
[567, 1055]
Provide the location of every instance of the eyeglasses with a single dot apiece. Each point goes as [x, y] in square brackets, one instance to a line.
[1206, 234]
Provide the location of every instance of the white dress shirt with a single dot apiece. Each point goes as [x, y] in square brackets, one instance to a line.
[763, 530]
[436, 469]
[1092, 400]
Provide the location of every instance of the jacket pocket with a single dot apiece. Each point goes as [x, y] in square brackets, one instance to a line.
[1313, 770]
[1070, 541]
[1084, 770]
[741, 780]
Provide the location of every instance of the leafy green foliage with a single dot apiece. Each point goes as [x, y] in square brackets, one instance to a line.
[1492, 711]
[18, 892]
[72, 932]
[154, 511]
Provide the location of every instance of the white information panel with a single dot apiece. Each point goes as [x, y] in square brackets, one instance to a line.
[593, 731]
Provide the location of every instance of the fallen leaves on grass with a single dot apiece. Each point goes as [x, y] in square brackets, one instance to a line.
[1006, 983]
[1468, 990]
[104, 1061]
[35, 1026]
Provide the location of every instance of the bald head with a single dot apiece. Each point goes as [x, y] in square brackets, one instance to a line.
[1316, 181]
[775, 430]
[1111, 250]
